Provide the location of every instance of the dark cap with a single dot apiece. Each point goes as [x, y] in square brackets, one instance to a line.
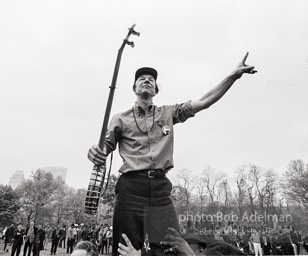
[146, 71]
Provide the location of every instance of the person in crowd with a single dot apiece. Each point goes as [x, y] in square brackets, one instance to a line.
[62, 236]
[104, 239]
[109, 239]
[265, 243]
[80, 232]
[2, 232]
[286, 242]
[85, 233]
[100, 241]
[85, 248]
[296, 239]
[255, 239]
[276, 244]
[29, 239]
[38, 244]
[70, 239]
[244, 242]
[48, 231]
[18, 239]
[8, 236]
[93, 234]
[75, 233]
[55, 238]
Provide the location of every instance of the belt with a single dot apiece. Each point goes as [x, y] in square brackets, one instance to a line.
[149, 173]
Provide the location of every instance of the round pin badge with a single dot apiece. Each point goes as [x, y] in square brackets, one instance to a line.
[166, 129]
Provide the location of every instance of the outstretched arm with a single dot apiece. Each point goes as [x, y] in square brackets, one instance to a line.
[218, 91]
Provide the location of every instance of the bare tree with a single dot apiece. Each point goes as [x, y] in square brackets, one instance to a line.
[225, 192]
[185, 187]
[270, 190]
[241, 193]
[201, 193]
[295, 182]
[211, 179]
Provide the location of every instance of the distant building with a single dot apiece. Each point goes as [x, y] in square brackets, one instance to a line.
[56, 171]
[17, 178]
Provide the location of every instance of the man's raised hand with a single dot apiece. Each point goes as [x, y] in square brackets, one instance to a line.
[242, 67]
[177, 244]
[129, 249]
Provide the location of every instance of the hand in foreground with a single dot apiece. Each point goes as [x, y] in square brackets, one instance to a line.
[96, 155]
[128, 250]
[177, 244]
[243, 68]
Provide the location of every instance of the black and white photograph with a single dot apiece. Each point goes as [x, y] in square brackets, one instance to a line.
[152, 128]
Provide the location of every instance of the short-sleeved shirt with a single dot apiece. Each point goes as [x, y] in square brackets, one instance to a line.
[255, 238]
[70, 233]
[146, 141]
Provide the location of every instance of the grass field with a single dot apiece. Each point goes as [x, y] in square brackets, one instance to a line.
[60, 251]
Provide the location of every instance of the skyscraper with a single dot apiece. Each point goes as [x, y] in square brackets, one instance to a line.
[17, 178]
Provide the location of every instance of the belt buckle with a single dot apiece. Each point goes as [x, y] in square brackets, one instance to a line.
[151, 174]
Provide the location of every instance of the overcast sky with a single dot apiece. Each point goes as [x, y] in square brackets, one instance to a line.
[57, 59]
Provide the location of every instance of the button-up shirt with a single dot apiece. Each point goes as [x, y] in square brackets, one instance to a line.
[145, 141]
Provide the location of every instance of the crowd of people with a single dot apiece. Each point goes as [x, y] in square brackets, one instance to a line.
[257, 239]
[262, 240]
[35, 238]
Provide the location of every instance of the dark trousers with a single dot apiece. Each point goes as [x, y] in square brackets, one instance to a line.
[36, 249]
[6, 242]
[28, 246]
[62, 240]
[266, 249]
[276, 251]
[54, 246]
[143, 205]
[298, 246]
[70, 245]
[306, 246]
[287, 249]
[108, 245]
[16, 248]
[101, 245]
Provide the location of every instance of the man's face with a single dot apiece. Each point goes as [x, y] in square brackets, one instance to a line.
[79, 252]
[31, 224]
[145, 84]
